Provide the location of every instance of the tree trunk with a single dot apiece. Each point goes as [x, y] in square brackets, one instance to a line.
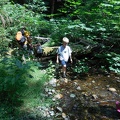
[53, 6]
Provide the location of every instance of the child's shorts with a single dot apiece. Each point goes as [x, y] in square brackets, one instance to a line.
[64, 63]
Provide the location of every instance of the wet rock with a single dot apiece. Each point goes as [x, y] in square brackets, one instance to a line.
[72, 95]
[112, 89]
[53, 91]
[107, 86]
[104, 94]
[64, 115]
[94, 96]
[85, 94]
[51, 113]
[96, 87]
[49, 93]
[60, 109]
[53, 82]
[118, 81]
[53, 99]
[58, 96]
[75, 83]
[68, 92]
[93, 81]
[58, 91]
[117, 77]
[46, 89]
[58, 84]
[66, 80]
[78, 88]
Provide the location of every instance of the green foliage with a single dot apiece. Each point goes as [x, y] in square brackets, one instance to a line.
[114, 62]
[12, 79]
[59, 29]
[97, 20]
[5, 21]
[15, 78]
[20, 83]
[31, 20]
[74, 30]
[2, 2]
[71, 8]
[109, 61]
[50, 70]
[81, 66]
[3, 42]
[36, 6]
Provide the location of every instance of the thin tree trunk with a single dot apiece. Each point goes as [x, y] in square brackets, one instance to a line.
[53, 6]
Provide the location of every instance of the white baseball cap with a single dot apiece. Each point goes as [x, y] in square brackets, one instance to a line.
[65, 39]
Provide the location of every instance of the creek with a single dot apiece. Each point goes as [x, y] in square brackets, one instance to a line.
[89, 97]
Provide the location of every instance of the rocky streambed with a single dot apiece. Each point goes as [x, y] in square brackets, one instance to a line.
[92, 97]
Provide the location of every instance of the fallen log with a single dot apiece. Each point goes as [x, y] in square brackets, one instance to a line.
[42, 38]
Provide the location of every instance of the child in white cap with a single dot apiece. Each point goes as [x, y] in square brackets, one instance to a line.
[63, 54]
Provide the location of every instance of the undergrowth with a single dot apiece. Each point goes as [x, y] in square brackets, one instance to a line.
[21, 88]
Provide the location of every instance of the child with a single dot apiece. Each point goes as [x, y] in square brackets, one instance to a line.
[63, 54]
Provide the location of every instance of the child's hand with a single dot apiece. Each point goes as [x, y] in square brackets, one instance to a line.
[57, 61]
[71, 61]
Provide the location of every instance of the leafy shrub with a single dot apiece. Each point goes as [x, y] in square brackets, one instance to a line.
[81, 66]
[114, 62]
[13, 78]
[3, 41]
[29, 19]
[50, 70]
[109, 61]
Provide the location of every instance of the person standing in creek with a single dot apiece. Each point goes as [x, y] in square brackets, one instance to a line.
[63, 54]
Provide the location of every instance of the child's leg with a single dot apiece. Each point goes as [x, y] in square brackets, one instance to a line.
[63, 68]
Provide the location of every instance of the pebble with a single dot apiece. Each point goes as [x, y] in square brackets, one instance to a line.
[94, 96]
[64, 115]
[53, 81]
[72, 95]
[60, 109]
[112, 89]
[58, 96]
[51, 113]
[49, 93]
[107, 86]
[93, 81]
[78, 88]
[118, 81]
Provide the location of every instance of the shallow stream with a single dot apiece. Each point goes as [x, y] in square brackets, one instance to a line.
[90, 97]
